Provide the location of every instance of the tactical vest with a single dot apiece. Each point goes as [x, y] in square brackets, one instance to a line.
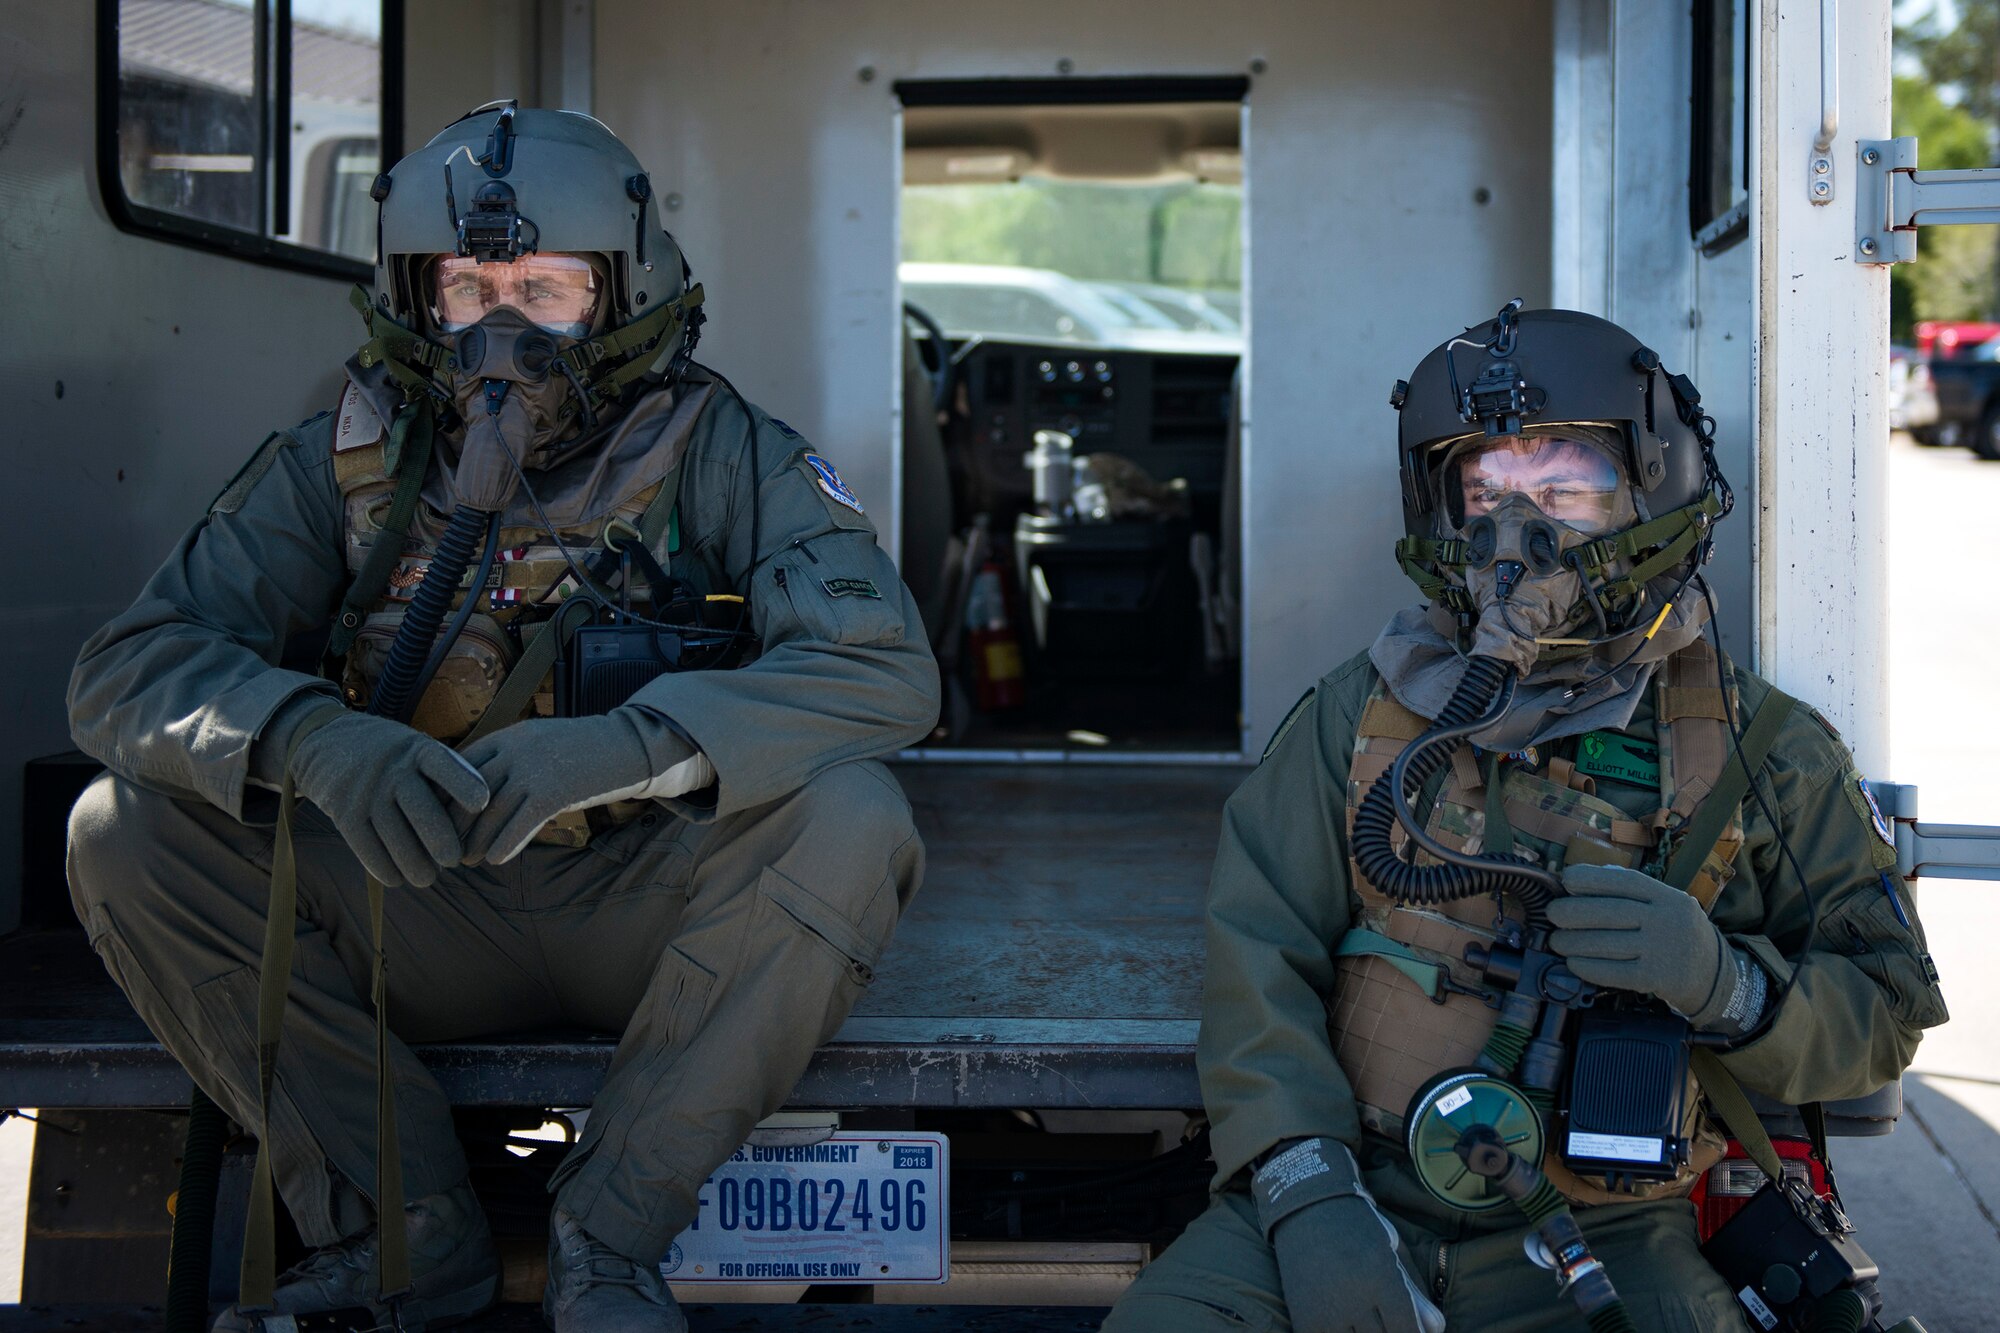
[529, 578]
[1393, 1020]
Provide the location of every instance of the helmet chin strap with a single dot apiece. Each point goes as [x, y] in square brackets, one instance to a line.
[598, 369]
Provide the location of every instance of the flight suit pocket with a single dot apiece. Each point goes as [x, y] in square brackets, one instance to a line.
[679, 998]
[841, 590]
[857, 951]
[1891, 955]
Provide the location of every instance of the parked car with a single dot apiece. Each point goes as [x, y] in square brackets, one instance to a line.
[1967, 388]
[1010, 302]
[1913, 404]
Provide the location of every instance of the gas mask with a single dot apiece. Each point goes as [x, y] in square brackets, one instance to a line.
[1521, 504]
[515, 404]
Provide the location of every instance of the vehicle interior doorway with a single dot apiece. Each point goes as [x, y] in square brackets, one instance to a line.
[1072, 282]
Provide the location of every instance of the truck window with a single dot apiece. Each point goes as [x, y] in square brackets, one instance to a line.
[1719, 165]
[250, 126]
[1109, 264]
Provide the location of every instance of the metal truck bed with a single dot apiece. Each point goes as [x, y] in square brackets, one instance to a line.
[1053, 959]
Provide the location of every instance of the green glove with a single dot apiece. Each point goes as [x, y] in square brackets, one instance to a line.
[1627, 931]
[1340, 1261]
[546, 767]
[387, 788]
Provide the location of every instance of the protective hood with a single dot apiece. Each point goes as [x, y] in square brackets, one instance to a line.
[1419, 663]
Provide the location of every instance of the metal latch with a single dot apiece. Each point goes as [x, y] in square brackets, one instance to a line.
[1936, 851]
[1893, 199]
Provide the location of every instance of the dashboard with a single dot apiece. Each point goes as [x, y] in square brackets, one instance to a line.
[1169, 412]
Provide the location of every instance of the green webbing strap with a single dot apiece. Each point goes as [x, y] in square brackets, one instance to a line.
[259, 1274]
[1360, 941]
[539, 654]
[1720, 805]
[410, 442]
[537, 657]
[650, 328]
[391, 1224]
[1724, 1093]
[1499, 836]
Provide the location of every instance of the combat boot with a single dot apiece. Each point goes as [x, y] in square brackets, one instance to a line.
[456, 1274]
[594, 1289]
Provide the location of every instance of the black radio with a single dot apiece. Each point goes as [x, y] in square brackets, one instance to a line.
[1790, 1258]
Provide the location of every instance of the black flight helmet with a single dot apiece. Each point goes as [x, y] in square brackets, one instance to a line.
[1536, 368]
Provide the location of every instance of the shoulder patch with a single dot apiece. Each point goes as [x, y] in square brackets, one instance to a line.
[1291, 719]
[830, 482]
[1866, 807]
[784, 429]
[851, 588]
[358, 423]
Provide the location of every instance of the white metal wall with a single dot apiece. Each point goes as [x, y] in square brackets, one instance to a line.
[1622, 244]
[1821, 378]
[1371, 131]
[138, 375]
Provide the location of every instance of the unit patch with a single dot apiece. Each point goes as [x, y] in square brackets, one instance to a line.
[830, 482]
[1873, 812]
[1606, 754]
[851, 588]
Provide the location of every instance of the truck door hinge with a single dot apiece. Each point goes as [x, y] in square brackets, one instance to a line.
[1936, 851]
[1892, 199]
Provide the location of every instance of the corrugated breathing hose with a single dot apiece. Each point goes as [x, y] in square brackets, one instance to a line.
[395, 694]
[1481, 699]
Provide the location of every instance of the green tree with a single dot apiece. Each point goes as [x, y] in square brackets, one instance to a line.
[1950, 107]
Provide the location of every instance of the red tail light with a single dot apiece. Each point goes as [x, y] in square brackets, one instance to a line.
[1728, 1185]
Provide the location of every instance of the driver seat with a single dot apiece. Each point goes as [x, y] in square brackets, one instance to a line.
[927, 507]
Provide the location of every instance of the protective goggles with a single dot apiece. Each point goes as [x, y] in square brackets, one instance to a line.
[559, 292]
[1570, 478]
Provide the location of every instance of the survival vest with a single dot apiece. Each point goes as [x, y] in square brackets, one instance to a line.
[529, 579]
[1394, 1018]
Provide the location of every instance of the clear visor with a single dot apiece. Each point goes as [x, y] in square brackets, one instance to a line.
[558, 292]
[1571, 480]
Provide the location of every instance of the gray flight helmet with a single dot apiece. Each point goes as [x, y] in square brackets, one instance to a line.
[1528, 368]
[504, 180]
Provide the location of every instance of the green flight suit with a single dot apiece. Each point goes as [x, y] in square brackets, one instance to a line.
[1279, 902]
[726, 933]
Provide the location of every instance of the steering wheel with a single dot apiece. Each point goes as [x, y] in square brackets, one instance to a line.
[945, 372]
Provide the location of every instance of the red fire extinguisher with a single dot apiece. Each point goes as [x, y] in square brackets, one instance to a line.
[996, 652]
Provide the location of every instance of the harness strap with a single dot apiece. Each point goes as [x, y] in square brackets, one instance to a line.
[1359, 942]
[540, 652]
[259, 1272]
[410, 440]
[1719, 807]
[1724, 1093]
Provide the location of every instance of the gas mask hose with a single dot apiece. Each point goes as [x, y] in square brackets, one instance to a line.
[1481, 699]
[395, 694]
[1579, 1271]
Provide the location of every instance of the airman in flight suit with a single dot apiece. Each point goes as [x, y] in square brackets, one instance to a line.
[712, 866]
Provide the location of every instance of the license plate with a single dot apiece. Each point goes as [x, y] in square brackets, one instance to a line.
[854, 1208]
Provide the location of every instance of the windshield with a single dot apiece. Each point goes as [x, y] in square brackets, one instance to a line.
[1150, 267]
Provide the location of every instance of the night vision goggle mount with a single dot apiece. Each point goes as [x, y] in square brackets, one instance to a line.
[1499, 397]
[491, 230]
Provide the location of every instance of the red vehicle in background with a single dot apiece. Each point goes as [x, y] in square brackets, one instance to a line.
[1952, 337]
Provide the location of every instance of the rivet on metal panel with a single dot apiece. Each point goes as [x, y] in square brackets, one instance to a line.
[1868, 246]
[1065, 66]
